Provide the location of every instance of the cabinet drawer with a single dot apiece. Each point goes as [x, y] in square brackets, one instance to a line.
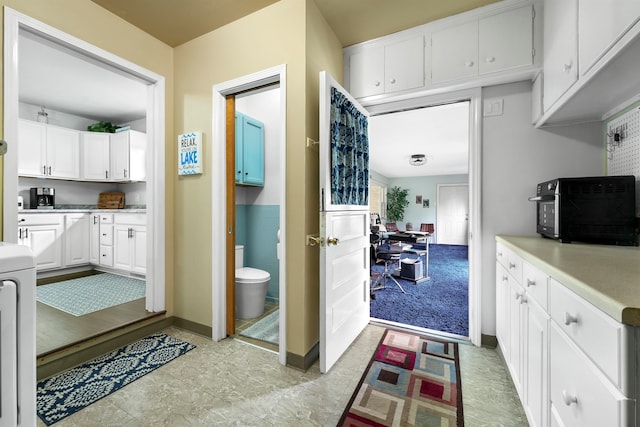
[601, 338]
[106, 218]
[40, 219]
[130, 219]
[536, 283]
[580, 396]
[106, 235]
[106, 256]
[510, 261]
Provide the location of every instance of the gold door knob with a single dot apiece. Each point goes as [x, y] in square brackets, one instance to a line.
[332, 241]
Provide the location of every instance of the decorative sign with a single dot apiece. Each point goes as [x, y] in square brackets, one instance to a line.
[190, 153]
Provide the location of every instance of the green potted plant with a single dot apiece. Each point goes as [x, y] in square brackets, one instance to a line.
[397, 201]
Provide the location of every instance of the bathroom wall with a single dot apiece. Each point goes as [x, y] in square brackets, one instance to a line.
[258, 208]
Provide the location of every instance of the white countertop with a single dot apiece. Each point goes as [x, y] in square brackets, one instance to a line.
[606, 276]
[81, 210]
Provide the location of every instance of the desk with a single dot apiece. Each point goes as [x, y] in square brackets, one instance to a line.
[410, 237]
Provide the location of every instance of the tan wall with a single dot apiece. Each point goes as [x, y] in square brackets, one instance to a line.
[267, 38]
[93, 24]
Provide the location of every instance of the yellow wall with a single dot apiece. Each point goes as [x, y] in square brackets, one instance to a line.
[93, 24]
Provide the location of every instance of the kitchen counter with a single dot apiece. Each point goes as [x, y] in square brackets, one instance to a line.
[82, 210]
[606, 276]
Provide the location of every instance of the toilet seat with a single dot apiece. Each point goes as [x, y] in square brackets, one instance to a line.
[251, 275]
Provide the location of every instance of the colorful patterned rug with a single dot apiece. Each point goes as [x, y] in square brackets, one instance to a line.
[411, 380]
[68, 392]
[91, 293]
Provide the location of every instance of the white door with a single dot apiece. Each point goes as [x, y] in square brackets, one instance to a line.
[344, 250]
[453, 214]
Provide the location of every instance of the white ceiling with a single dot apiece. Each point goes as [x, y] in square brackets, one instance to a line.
[441, 133]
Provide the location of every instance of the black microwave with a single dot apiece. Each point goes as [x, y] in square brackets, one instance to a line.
[591, 209]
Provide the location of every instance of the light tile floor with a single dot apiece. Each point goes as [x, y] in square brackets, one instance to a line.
[230, 383]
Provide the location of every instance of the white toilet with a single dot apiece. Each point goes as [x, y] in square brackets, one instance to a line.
[251, 288]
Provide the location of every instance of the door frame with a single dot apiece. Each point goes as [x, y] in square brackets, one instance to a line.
[474, 96]
[155, 184]
[219, 227]
[438, 187]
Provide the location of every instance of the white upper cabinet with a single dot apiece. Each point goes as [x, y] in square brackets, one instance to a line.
[505, 40]
[95, 156]
[48, 151]
[495, 43]
[600, 25]
[454, 53]
[128, 156]
[392, 67]
[560, 62]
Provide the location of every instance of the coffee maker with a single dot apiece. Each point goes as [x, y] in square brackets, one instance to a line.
[42, 198]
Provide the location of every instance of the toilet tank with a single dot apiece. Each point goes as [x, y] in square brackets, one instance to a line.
[239, 256]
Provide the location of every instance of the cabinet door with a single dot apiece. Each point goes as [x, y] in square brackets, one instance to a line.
[94, 239]
[95, 156]
[498, 52]
[32, 148]
[517, 332]
[252, 152]
[239, 128]
[76, 238]
[120, 156]
[46, 243]
[404, 65]
[536, 364]
[63, 152]
[122, 247]
[454, 53]
[502, 309]
[600, 26]
[139, 250]
[560, 63]
[366, 72]
[137, 156]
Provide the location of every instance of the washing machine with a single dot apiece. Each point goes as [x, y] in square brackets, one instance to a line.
[17, 336]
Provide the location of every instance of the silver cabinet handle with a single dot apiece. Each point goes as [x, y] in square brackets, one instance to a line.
[530, 282]
[568, 399]
[19, 233]
[49, 170]
[512, 265]
[568, 319]
[26, 233]
[505, 278]
[44, 169]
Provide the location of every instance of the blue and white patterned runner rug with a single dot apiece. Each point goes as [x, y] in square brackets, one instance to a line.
[68, 392]
[92, 293]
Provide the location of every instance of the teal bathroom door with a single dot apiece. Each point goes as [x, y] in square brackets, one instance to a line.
[344, 251]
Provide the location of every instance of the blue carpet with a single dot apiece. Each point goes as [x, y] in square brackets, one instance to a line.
[91, 293]
[68, 392]
[440, 304]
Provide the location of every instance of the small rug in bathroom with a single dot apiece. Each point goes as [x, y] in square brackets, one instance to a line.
[68, 392]
[266, 329]
[91, 293]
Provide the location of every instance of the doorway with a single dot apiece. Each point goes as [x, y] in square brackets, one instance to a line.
[223, 184]
[472, 97]
[16, 26]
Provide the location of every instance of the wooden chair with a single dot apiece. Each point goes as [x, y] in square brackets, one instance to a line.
[391, 227]
[427, 228]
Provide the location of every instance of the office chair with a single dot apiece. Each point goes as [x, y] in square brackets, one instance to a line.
[390, 258]
[391, 227]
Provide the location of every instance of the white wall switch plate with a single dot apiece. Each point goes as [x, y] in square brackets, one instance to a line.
[493, 107]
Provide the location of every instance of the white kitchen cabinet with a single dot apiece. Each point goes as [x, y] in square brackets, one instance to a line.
[600, 25]
[480, 47]
[105, 240]
[128, 156]
[43, 234]
[502, 309]
[394, 66]
[536, 359]
[94, 238]
[76, 239]
[96, 156]
[517, 333]
[48, 151]
[560, 63]
[130, 243]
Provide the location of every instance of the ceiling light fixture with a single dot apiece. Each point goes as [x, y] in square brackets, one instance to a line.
[418, 160]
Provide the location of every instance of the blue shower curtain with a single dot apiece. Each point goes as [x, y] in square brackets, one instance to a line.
[349, 152]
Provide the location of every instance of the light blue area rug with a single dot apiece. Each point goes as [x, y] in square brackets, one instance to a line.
[68, 392]
[267, 329]
[92, 293]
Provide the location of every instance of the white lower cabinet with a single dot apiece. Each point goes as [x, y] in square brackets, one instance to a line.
[130, 243]
[572, 364]
[76, 239]
[43, 234]
[105, 240]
